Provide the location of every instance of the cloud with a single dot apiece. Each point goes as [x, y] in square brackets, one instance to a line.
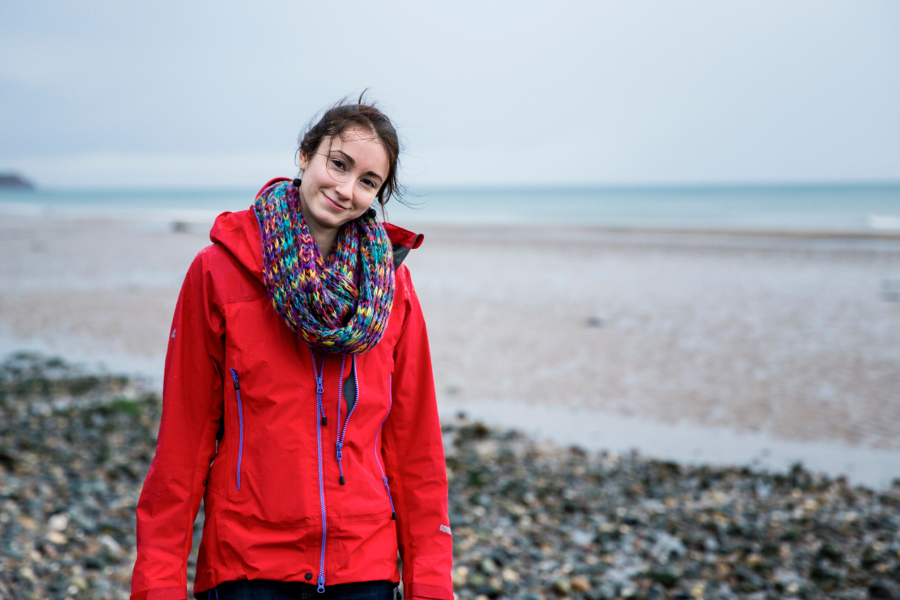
[642, 91]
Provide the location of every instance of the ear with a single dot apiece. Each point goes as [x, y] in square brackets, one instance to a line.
[302, 160]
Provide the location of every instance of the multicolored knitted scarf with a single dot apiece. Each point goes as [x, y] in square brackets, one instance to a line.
[339, 305]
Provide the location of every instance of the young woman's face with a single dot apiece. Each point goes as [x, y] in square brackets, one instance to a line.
[341, 180]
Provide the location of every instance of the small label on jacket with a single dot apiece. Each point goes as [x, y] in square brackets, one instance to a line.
[445, 529]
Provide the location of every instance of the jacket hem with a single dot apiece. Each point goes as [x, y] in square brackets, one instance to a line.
[176, 592]
[424, 590]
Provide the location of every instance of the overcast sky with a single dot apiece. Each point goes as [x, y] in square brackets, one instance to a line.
[110, 93]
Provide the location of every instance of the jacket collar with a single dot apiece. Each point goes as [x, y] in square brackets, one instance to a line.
[239, 233]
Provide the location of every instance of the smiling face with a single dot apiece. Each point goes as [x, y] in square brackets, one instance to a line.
[340, 181]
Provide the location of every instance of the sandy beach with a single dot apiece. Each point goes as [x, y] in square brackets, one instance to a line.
[794, 340]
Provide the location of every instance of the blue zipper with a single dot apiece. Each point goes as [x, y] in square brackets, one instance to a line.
[237, 391]
[384, 478]
[342, 433]
[337, 433]
[320, 418]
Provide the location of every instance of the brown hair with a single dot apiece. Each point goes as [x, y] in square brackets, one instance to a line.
[344, 115]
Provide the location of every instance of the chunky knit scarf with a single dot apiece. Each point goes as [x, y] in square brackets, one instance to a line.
[339, 305]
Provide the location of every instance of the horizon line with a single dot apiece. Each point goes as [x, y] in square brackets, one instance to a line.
[499, 187]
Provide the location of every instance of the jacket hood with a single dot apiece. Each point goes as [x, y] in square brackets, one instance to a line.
[239, 233]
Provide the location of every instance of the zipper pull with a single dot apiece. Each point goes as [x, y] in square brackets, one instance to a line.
[321, 582]
[319, 391]
[340, 456]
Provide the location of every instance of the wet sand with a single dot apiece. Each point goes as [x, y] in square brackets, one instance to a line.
[790, 339]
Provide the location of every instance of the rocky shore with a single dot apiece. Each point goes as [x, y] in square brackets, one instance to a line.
[74, 449]
[534, 521]
[529, 520]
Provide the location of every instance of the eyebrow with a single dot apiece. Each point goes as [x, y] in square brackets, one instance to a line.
[352, 163]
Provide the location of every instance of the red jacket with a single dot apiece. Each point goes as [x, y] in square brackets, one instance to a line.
[275, 505]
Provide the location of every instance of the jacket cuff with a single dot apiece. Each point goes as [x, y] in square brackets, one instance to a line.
[163, 593]
[424, 590]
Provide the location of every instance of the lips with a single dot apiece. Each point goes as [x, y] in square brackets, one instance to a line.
[334, 204]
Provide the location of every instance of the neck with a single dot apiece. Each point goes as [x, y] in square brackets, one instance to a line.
[324, 237]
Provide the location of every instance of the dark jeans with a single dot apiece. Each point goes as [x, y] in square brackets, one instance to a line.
[260, 589]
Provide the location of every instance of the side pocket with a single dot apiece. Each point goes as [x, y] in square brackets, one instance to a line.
[240, 411]
[384, 479]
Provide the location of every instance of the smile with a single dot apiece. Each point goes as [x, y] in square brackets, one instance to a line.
[334, 204]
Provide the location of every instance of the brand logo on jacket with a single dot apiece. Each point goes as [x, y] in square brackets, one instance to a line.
[445, 529]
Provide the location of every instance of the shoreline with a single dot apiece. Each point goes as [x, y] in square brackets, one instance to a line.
[203, 218]
[552, 227]
[684, 443]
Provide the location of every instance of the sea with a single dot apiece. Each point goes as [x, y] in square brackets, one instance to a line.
[868, 209]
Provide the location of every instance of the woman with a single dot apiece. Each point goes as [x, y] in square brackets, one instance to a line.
[298, 401]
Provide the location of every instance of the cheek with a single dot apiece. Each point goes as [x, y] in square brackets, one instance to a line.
[307, 185]
[361, 206]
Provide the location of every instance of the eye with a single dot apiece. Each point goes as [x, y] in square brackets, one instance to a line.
[369, 183]
[339, 165]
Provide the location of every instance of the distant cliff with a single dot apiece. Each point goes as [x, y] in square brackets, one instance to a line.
[13, 181]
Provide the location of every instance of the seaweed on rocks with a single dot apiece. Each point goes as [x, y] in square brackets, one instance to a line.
[74, 450]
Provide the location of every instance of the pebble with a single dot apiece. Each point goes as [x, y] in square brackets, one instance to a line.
[530, 521]
[563, 587]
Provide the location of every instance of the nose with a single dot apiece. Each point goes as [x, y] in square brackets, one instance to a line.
[345, 188]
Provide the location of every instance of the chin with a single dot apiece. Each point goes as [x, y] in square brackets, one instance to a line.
[333, 220]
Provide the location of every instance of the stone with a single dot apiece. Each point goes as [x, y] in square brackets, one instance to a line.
[510, 575]
[488, 566]
[562, 587]
[57, 538]
[580, 584]
[460, 576]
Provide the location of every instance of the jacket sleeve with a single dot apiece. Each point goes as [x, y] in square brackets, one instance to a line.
[192, 406]
[414, 458]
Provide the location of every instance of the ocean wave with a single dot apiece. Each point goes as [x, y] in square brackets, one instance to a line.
[884, 222]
